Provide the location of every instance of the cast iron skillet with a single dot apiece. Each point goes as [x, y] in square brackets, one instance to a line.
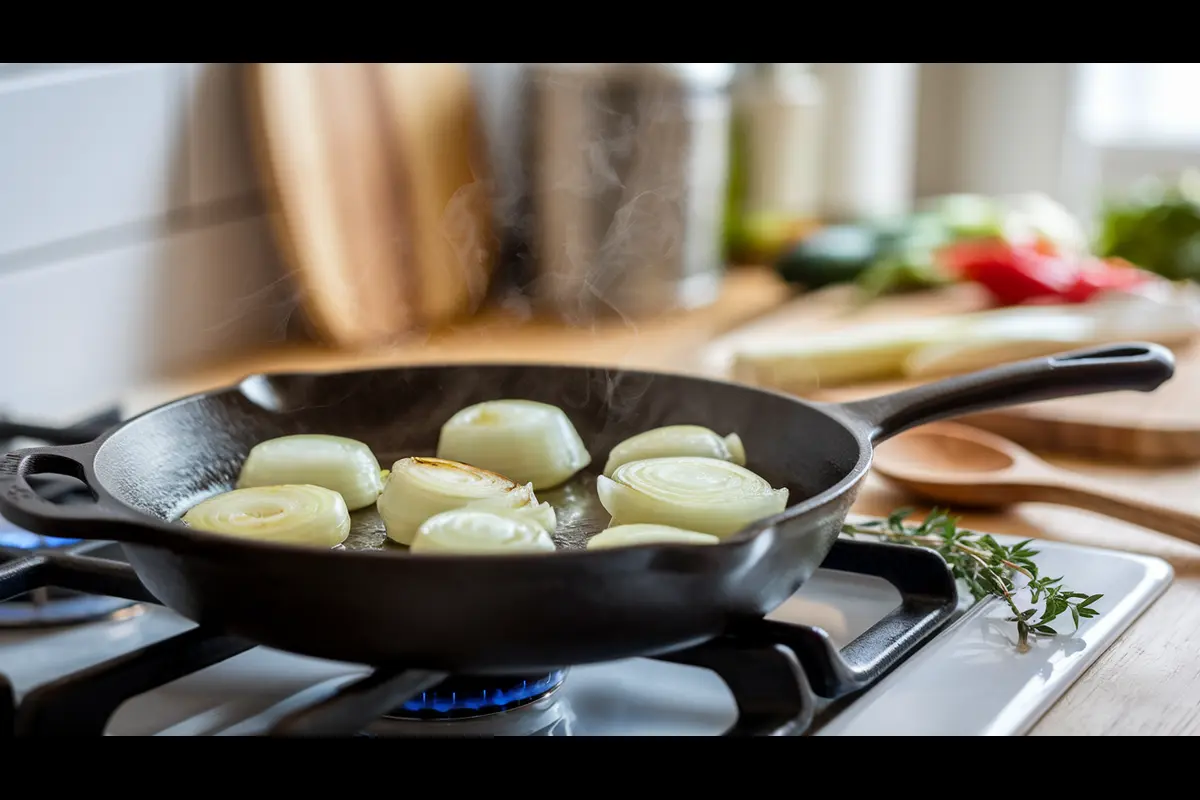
[376, 604]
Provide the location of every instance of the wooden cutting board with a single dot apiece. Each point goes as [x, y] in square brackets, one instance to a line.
[1158, 428]
[375, 176]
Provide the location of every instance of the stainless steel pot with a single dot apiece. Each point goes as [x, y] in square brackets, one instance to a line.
[627, 167]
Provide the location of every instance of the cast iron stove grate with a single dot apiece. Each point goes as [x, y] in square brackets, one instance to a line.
[777, 672]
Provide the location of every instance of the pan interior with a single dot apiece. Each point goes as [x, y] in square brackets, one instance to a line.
[171, 458]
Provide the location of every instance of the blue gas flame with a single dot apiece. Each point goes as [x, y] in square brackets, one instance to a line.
[447, 700]
[18, 539]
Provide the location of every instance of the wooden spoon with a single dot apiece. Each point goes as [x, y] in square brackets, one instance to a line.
[959, 465]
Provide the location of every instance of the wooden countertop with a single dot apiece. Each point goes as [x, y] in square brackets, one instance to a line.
[1147, 683]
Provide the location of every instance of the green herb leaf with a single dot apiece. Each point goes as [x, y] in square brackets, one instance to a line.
[988, 569]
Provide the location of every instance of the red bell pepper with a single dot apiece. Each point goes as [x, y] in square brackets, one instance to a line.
[1011, 274]
[1020, 274]
[1104, 275]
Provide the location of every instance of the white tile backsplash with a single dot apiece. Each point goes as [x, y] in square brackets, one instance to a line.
[104, 283]
[84, 149]
[80, 333]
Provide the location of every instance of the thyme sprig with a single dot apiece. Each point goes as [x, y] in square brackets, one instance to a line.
[988, 568]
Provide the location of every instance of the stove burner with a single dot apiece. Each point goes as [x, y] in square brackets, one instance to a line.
[546, 716]
[467, 698]
[45, 608]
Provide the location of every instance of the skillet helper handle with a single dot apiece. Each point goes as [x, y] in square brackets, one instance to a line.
[104, 520]
[1137, 366]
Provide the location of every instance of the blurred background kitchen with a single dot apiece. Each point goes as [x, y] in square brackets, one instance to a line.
[159, 220]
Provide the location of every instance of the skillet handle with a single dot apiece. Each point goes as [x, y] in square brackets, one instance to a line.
[104, 520]
[1137, 366]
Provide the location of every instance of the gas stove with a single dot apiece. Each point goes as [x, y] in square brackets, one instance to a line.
[86, 650]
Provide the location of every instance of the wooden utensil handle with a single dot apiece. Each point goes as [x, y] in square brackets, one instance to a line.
[1118, 503]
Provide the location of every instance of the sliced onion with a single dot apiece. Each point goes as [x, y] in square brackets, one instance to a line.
[291, 514]
[633, 535]
[346, 466]
[706, 495]
[417, 488]
[526, 441]
[472, 531]
[676, 440]
[521, 503]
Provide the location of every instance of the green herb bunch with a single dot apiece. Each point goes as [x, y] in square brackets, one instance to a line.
[988, 568]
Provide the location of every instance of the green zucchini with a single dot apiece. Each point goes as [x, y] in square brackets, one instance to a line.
[832, 255]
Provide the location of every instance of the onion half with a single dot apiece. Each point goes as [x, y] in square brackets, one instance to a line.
[473, 531]
[418, 488]
[706, 495]
[346, 466]
[521, 503]
[676, 440]
[635, 534]
[291, 514]
[528, 442]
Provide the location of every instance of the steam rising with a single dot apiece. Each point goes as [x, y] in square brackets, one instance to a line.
[607, 168]
[470, 247]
